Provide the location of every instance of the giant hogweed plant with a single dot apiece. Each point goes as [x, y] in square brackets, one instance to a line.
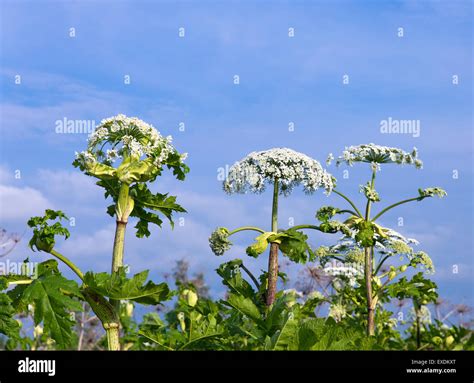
[125, 155]
[366, 237]
[283, 169]
[344, 262]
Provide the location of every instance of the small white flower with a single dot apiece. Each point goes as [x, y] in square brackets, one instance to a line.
[330, 159]
[315, 295]
[337, 311]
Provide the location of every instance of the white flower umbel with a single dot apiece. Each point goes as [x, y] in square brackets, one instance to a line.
[377, 154]
[346, 273]
[291, 168]
[127, 136]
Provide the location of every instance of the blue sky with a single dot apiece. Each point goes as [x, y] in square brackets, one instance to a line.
[282, 80]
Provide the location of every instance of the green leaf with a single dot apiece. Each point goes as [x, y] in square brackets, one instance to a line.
[137, 171]
[8, 325]
[147, 205]
[294, 245]
[202, 329]
[260, 245]
[53, 298]
[119, 287]
[325, 213]
[365, 234]
[245, 306]
[287, 337]
[232, 278]
[44, 233]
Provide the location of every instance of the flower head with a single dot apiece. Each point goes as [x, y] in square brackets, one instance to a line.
[423, 259]
[376, 154]
[337, 311]
[219, 241]
[291, 168]
[127, 137]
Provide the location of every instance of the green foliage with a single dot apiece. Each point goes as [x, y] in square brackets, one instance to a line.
[293, 244]
[118, 287]
[146, 206]
[365, 234]
[44, 233]
[8, 325]
[189, 327]
[260, 245]
[325, 213]
[232, 278]
[53, 298]
[327, 225]
[419, 288]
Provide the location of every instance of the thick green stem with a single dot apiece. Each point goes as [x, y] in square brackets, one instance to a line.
[107, 315]
[71, 265]
[273, 257]
[113, 336]
[117, 255]
[123, 208]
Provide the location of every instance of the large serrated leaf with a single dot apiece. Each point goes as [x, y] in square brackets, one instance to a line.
[53, 299]
[8, 325]
[119, 287]
[244, 306]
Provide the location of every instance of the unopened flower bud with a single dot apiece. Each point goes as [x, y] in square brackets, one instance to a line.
[182, 323]
[449, 341]
[191, 297]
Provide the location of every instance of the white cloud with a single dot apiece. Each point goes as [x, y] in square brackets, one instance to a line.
[70, 186]
[20, 203]
[90, 251]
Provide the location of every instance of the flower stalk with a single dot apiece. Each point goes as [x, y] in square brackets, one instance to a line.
[123, 209]
[368, 274]
[274, 248]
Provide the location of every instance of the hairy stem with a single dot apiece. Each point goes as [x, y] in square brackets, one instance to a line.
[368, 260]
[113, 336]
[107, 315]
[273, 257]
